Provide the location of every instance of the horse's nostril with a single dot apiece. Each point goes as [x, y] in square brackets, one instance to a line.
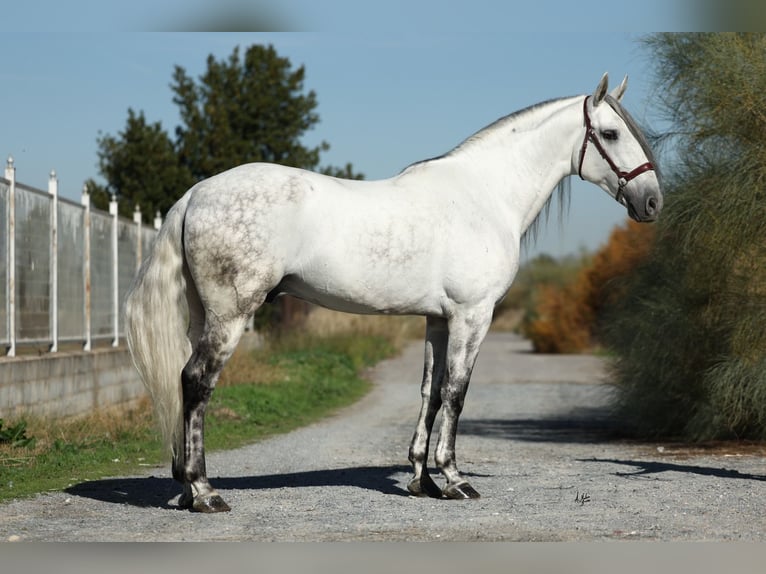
[651, 205]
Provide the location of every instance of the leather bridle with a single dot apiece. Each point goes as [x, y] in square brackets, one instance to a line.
[623, 177]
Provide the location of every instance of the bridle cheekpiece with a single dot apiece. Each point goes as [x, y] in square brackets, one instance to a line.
[623, 177]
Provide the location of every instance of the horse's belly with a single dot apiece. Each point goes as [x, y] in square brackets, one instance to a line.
[361, 297]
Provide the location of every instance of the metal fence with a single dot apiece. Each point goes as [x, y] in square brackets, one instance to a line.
[65, 268]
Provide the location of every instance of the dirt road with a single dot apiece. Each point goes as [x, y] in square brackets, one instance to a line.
[535, 440]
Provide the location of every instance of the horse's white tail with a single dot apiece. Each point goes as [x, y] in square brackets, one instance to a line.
[156, 320]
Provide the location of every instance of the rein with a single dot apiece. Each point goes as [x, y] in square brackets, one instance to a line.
[623, 177]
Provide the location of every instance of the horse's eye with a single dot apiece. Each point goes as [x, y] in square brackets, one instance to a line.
[609, 134]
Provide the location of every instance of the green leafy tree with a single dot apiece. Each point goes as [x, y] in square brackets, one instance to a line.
[240, 110]
[246, 109]
[141, 168]
[691, 331]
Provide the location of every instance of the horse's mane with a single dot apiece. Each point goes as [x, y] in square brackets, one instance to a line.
[483, 133]
[564, 194]
[516, 118]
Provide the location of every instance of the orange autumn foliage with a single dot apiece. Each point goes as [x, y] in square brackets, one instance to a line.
[566, 317]
[560, 326]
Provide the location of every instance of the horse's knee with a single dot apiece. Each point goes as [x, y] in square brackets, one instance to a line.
[453, 399]
[418, 451]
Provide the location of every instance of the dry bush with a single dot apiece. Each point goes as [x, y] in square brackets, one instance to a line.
[397, 330]
[560, 326]
[246, 366]
[567, 316]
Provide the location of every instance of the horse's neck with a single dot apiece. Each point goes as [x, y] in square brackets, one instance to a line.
[517, 163]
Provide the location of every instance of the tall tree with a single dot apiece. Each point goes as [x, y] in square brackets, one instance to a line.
[240, 110]
[244, 110]
[141, 168]
[690, 333]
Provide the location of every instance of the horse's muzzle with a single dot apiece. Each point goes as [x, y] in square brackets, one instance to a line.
[645, 209]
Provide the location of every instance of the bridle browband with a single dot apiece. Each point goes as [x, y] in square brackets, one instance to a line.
[623, 177]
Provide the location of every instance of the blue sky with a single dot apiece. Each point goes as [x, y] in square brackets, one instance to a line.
[391, 90]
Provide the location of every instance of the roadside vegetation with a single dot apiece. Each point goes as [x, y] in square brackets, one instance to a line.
[690, 334]
[536, 275]
[566, 302]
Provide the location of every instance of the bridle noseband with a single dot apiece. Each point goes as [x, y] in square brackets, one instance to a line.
[623, 177]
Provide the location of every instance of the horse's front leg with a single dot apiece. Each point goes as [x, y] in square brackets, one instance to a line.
[466, 333]
[430, 390]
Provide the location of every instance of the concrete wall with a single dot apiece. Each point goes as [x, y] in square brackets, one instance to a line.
[65, 384]
[74, 383]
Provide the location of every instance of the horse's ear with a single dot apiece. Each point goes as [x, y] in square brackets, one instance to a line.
[619, 91]
[601, 90]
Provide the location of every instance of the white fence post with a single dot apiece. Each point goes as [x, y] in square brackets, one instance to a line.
[158, 220]
[53, 304]
[86, 266]
[10, 175]
[137, 221]
[115, 271]
[65, 325]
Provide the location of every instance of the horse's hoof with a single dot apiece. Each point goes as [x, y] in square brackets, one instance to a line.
[210, 504]
[424, 486]
[461, 491]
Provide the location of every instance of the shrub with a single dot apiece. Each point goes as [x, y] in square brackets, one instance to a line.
[690, 333]
[530, 282]
[566, 317]
[561, 323]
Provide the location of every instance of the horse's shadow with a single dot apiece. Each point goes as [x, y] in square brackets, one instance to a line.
[156, 492]
[650, 469]
[581, 425]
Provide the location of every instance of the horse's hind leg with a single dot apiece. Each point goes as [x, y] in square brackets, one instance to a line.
[198, 378]
[433, 372]
[196, 328]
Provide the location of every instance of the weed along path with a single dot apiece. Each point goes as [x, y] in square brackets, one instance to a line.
[535, 439]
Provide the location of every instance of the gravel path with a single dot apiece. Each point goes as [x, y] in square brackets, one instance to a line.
[534, 440]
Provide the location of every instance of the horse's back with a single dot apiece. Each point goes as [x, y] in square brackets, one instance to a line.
[379, 246]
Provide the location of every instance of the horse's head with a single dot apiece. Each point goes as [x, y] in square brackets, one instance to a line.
[623, 166]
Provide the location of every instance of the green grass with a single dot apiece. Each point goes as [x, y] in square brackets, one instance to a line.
[316, 379]
[296, 382]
